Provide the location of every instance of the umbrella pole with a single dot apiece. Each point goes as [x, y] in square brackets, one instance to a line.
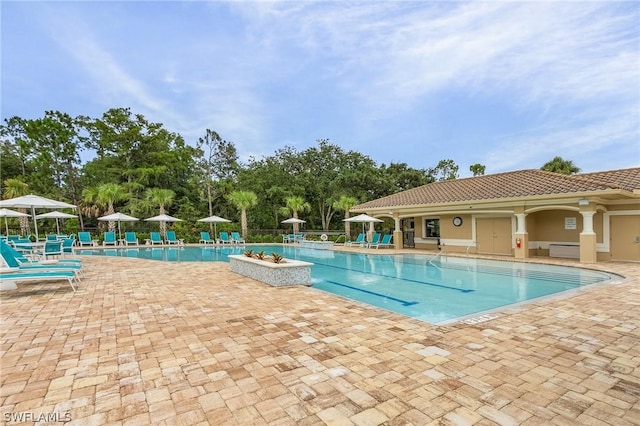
[35, 223]
[6, 225]
[57, 226]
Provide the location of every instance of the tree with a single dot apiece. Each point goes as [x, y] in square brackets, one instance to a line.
[296, 204]
[243, 200]
[326, 170]
[49, 147]
[160, 197]
[138, 154]
[345, 203]
[560, 165]
[105, 195]
[217, 166]
[16, 188]
[477, 169]
[398, 177]
[445, 170]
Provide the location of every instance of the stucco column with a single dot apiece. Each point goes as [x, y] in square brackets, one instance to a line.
[588, 252]
[371, 231]
[398, 241]
[521, 235]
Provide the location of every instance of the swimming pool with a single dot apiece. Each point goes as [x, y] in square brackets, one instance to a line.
[436, 290]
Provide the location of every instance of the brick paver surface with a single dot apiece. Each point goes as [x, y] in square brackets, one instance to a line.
[144, 342]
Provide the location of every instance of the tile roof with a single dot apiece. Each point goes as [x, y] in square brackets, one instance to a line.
[628, 179]
[516, 184]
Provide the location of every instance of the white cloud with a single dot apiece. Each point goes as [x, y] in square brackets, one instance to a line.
[263, 72]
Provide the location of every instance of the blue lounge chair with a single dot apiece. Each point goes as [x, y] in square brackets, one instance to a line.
[359, 240]
[384, 242]
[18, 277]
[374, 240]
[84, 239]
[236, 238]
[110, 239]
[155, 238]
[25, 261]
[67, 244]
[224, 238]
[52, 248]
[130, 239]
[11, 257]
[171, 238]
[205, 238]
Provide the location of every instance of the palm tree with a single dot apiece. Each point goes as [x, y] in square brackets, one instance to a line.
[243, 200]
[16, 188]
[560, 165]
[345, 203]
[160, 197]
[102, 196]
[295, 204]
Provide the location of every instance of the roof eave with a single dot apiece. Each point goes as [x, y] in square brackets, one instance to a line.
[569, 197]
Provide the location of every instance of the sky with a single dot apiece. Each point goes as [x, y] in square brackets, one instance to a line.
[507, 84]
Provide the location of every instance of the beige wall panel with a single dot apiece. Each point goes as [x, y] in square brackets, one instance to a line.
[550, 226]
[625, 238]
[448, 230]
[418, 224]
[598, 227]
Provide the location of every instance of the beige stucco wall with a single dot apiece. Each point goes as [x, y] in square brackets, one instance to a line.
[549, 225]
[448, 230]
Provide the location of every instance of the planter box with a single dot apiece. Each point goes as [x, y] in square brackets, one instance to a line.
[292, 272]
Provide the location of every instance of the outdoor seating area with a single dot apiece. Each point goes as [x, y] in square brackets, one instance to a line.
[293, 238]
[38, 267]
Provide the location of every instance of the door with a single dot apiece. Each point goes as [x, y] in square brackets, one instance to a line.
[625, 238]
[493, 235]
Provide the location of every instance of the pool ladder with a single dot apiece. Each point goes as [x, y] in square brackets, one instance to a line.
[339, 236]
[473, 243]
[433, 258]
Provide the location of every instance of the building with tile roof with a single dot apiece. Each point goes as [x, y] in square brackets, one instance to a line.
[590, 216]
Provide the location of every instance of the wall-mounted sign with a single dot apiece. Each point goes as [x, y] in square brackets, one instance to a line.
[570, 223]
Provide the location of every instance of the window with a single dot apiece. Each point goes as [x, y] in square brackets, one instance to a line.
[432, 228]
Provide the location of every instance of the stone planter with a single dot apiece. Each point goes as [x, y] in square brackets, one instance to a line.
[292, 272]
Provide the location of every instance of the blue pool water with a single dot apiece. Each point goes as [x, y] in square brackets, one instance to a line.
[436, 290]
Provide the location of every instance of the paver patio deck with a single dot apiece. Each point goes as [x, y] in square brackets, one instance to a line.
[144, 342]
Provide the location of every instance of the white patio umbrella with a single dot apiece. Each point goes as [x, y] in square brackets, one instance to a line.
[215, 220]
[57, 216]
[163, 218]
[295, 221]
[34, 202]
[363, 218]
[10, 213]
[118, 217]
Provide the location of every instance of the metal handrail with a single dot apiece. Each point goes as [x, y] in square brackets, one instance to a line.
[469, 246]
[338, 239]
[433, 258]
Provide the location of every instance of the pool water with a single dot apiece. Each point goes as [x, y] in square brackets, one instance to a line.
[433, 289]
